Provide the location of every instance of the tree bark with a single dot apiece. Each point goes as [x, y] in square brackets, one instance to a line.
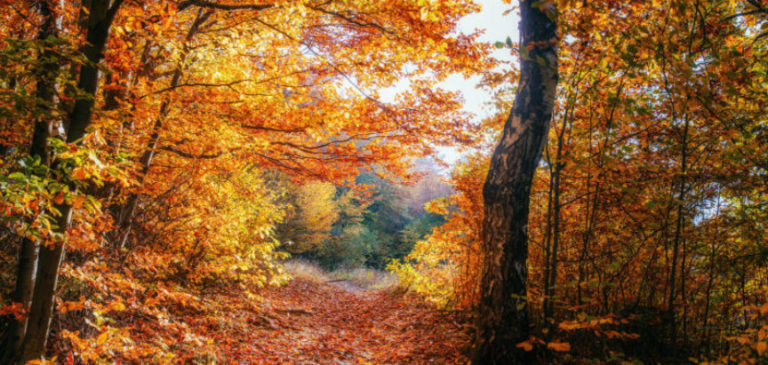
[502, 320]
[100, 18]
[705, 344]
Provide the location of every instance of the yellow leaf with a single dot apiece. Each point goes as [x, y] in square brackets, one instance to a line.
[116, 306]
[42, 362]
[102, 338]
[559, 346]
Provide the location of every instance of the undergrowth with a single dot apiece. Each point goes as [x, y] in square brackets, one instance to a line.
[367, 278]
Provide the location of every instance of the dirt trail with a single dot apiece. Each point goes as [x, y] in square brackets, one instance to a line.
[348, 285]
[342, 323]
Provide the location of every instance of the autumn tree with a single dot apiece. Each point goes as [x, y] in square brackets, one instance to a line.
[502, 314]
[445, 267]
[31, 337]
[314, 213]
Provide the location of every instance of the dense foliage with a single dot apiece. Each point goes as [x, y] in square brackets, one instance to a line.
[159, 159]
[647, 226]
[336, 227]
[205, 126]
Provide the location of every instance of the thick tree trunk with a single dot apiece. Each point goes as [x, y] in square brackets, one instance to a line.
[41, 310]
[25, 280]
[502, 320]
[100, 16]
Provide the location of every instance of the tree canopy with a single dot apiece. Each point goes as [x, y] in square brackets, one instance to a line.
[160, 161]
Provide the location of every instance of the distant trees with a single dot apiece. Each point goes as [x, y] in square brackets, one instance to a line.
[346, 227]
[314, 211]
[445, 265]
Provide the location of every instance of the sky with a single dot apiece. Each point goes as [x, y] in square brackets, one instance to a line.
[497, 28]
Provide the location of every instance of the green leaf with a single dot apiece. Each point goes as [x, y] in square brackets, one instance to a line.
[542, 61]
[17, 176]
[524, 54]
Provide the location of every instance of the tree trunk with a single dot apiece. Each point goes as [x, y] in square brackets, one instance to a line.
[502, 320]
[592, 207]
[100, 16]
[25, 280]
[548, 232]
[28, 252]
[678, 232]
[549, 295]
[41, 310]
[705, 344]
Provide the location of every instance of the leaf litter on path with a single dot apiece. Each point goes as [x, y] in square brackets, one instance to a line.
[306, 322]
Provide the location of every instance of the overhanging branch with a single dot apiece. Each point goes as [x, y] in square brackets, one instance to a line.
[221, 6]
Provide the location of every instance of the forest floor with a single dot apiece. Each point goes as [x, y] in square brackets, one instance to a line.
[341, 322]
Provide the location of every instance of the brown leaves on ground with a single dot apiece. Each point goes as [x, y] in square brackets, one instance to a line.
[307, 322]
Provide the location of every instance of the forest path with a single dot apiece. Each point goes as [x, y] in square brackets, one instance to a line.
[348, 285]
[308, 322]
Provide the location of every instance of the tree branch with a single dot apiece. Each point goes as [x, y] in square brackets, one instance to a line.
[219, 6]
[193, 156]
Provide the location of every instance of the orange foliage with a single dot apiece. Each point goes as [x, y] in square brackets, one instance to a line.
[199, 106]
[445, 266]
[647, 216]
